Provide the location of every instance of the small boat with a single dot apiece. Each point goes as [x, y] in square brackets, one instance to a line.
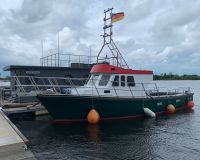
[115, 92]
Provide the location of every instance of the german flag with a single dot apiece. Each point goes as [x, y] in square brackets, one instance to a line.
[117, 16]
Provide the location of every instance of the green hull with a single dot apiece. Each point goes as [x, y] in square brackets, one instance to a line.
[65, 108]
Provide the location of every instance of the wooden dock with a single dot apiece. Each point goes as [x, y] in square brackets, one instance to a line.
[24, 110]
[12, 141]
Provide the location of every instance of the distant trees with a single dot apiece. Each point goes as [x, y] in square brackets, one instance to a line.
[163, 76]
[171, 76]
[5, 78]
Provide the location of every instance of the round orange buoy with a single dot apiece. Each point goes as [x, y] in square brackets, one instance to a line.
[190, 104]
[93, 116]
[170, 109]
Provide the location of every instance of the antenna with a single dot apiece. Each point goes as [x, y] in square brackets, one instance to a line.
[42, 52]
[108, 41]
[90, 55]
[58, 51]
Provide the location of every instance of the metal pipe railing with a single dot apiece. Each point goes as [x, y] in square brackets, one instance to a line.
[44, 83]
[54, 60]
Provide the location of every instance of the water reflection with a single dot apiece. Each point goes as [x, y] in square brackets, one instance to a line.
[93, 133]
[137, 139]
[165, 137]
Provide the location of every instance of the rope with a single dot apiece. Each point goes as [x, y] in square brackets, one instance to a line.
[92, 99]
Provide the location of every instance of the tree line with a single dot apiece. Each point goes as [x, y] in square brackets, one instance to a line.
[5, 78]
[170, 76]
[163, 76]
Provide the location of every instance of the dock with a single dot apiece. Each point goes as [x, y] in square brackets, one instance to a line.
[23, 110]
[12, 141]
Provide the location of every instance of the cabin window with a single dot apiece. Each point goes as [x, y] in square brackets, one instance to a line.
[93, 79]
[104, 80]
[122, 81]
[130, 81]
[116, 81]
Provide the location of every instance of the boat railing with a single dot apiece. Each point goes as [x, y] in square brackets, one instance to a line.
[67, 60]
[56, 84]
[27, 84]
[181, 90]
[31, 85]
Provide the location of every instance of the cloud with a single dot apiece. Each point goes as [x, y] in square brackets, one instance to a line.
[138, 10]
[33, 11]
[159, 35]
[171, 24]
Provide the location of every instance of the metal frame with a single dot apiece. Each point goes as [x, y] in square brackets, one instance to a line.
[109, 42]
[65, 60]
[57, 88]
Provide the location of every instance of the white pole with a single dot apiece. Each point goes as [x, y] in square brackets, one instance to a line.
[90, 55]
[42, 51]
[58, 51]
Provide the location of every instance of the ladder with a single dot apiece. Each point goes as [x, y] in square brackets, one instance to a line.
[117, 58]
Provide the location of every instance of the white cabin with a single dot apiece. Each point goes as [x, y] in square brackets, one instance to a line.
[111, 81]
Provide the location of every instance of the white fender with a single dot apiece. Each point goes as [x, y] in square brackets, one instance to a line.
[149, 112]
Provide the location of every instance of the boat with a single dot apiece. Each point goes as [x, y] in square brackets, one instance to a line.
[114, 91]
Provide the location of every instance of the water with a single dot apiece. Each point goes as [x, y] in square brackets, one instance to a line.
[166, 137]
[4, 83]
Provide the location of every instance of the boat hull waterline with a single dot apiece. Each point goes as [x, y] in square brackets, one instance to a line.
[67, 109]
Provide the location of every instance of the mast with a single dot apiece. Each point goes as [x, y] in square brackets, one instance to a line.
[108, 41]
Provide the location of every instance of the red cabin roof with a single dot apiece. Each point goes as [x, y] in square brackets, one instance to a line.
[106, 68]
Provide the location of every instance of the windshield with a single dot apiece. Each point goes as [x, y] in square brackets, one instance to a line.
[93, 79]
[104, 80]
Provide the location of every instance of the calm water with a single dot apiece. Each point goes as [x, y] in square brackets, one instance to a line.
[166, 137]
[4, 83]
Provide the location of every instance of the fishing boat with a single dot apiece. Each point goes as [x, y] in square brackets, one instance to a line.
[113, 90]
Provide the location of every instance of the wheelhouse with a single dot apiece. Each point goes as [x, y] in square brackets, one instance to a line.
[108, 80]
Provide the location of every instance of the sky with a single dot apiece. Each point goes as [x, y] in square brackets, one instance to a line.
[163, 36]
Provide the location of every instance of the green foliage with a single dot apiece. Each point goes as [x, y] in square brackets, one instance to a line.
[5, 78]
[171, 76]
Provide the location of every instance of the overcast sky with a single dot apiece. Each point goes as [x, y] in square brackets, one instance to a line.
[160, 35]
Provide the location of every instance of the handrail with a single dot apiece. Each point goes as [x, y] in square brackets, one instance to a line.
[56, 59]
[50, 77]
[130, 90]
[18, 82]
[41, 84]
[115, 91]
[73, 86]
[95, 88]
